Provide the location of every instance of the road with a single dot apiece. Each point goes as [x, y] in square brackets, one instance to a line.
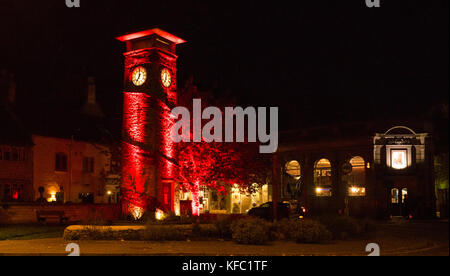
[394, 238]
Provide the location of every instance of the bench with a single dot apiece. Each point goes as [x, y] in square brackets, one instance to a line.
[42, 215]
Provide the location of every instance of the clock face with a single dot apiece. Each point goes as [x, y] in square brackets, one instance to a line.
[139, 76]
[166, 78]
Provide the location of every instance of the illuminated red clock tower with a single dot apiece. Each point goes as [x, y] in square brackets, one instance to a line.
[150, 93]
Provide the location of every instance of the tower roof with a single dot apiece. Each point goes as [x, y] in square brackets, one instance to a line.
[154, 31]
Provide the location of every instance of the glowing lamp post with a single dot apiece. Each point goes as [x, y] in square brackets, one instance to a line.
[150, 92]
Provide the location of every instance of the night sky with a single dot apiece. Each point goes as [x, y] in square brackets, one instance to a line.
[320, 61]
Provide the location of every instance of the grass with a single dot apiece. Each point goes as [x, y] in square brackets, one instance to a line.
[30, 232]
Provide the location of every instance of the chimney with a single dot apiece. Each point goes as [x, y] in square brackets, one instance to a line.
[90, 107]
[91, 98]
[7, 88]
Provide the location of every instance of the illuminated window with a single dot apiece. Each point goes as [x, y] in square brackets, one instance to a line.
[293, 169]
[322, 178]
[356, 191]
[321, 191]
[356, 179]
[399, 159]
[11, 192]
[404, 194]
[61, 162]
[394, 195]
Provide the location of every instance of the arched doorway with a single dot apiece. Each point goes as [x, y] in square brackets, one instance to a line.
[354, 181]
[356, 178]
[323, 178]
[292, 182]
[292, 168]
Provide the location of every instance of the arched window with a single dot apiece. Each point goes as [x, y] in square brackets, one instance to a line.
[292, 182]
[322, 178]
[292, 168]
[356, 178]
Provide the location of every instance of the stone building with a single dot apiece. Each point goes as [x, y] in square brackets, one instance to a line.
[16, 156]
[71, 170]
[69, 162]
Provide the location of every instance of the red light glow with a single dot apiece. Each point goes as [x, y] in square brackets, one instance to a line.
[135, 170]
[145, 33]
[195, 199]
[149, 155]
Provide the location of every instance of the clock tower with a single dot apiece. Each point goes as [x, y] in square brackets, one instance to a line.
[150, 93]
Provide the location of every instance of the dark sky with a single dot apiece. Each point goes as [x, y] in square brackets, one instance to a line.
[319, 61]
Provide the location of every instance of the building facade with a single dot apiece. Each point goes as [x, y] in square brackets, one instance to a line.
[16, 156]
[348, 171]
[72, 171]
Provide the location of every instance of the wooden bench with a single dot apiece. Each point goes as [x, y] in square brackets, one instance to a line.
[42, 215]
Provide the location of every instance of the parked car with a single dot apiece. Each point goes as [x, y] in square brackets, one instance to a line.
[301, 212]
[265, 211]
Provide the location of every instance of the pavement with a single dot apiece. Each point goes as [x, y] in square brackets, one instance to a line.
[396, 238]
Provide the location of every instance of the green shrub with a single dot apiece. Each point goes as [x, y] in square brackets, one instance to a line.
[223, 226]
[342, 227]
[90, 232]
[251, 231]
[129, 235]
[165, 233]
[303, 231]
[310, 231]
[205, 231]
[285, 229]
[150, 232]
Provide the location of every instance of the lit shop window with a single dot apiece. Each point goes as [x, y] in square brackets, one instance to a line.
[399, 159]
[293, 169]
[356, 191]
[321, 191]
[322, 178]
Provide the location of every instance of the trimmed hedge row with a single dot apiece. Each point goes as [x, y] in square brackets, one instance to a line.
[243, 231]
